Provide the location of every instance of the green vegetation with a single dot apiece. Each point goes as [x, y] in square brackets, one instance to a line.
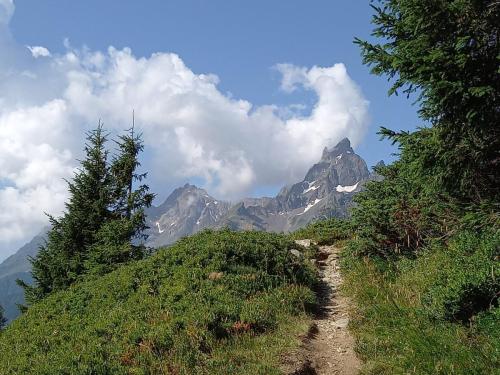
[448, 54]
[104, 214]
[423, 266]
[429, 315]
[421, 261]
[214, 303]
[325, 232]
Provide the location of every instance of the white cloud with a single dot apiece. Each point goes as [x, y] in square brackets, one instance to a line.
[191, 128]
[292, 76]
[39, 51]
[6, 11]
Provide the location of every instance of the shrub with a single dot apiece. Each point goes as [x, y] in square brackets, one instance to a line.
[326, 232]
[167, 314]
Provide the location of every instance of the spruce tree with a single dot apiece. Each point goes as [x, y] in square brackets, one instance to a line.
[60, 260]
[447, 178]
[104, 222]
[121, 239]
[448, 54]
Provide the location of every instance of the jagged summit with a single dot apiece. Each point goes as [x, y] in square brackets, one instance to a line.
[344, 146]
[186, 211]
[325, 191]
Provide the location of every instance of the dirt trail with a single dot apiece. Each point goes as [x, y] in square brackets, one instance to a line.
[328, 348]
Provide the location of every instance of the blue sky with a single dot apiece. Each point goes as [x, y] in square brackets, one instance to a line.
[240, 41]
[239, 97]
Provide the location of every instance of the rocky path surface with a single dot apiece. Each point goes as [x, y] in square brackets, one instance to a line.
[328, 348]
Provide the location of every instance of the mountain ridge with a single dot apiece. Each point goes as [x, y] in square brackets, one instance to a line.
[326, 191]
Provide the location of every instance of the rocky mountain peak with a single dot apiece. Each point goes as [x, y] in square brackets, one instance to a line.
[344, 146]
[187, 210]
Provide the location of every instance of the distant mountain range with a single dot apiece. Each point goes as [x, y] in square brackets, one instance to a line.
[326, 191]
[17, 266]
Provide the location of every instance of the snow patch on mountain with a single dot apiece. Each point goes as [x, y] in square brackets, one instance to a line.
[347, 189]
[311, 187]
[309, 206]
[159, 228]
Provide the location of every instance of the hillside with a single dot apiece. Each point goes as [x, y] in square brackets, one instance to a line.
[216, 302]
[326, 191]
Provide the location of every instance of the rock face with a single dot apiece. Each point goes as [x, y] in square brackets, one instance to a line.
[187, 210]
[326, 191]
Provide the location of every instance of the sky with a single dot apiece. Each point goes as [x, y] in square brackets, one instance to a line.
[238, 97]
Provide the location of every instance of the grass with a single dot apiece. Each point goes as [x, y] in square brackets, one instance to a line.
[436, 313]
[325, 232]
[405, 318]
[214, 303]
[222, 302]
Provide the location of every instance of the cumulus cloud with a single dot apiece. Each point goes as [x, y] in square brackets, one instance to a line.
[191, 128]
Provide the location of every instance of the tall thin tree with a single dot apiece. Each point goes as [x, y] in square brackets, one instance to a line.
[121, 240]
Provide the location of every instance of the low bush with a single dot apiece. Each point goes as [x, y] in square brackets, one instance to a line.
[214, 303]
[325, 232]
[435, 314]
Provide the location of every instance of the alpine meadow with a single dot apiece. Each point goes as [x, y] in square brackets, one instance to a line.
[316, 257]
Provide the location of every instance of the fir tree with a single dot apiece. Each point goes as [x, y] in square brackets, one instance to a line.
[120, 240]
[60, 260]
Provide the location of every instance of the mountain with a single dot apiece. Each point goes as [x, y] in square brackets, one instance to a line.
[326, 191]
[17, 266]
[187, 210]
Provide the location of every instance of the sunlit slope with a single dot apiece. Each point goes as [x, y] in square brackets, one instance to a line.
[216, 302]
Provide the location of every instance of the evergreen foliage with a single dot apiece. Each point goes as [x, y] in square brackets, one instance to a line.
[447, 177]
[423, 266]
[116, 241]
[448, 53]
[104, 215]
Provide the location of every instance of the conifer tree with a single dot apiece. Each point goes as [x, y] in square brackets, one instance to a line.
[120, 240]
[448, 54]
[448, 173]
[104, 222]
[60, 260]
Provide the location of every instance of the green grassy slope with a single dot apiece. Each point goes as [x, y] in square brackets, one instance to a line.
[214, 303]
[433, 314]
